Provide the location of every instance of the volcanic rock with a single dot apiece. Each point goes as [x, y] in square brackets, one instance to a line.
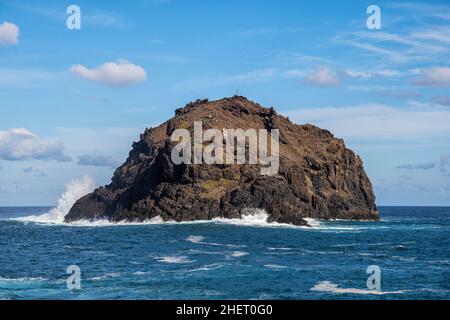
[318, 176]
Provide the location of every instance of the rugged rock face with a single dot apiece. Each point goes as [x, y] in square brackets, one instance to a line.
[317, 178]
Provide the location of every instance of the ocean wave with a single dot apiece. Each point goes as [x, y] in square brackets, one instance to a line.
[259, 218]
[274, 266]
[200, 240]
[208, 267]
[23, 279]
[237, 254]
[174, 259]
[76, 189]
[327, 286]
[73, 191]
[105, 276]
[195, 251]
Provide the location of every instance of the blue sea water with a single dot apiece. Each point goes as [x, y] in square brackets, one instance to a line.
[228, 260]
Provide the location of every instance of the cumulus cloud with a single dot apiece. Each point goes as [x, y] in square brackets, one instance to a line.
[9, 34]
[118, 73]
[98, 161]
[322, 77]
[22, 144]
[434, 76]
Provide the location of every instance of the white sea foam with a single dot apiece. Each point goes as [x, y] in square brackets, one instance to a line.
[313, 222]
[23, 279]
[105, 276]
[200, 240]
[237, 254]
[327, 286]
[274, 266]
[254, 217]
[195, 239]
[207, 267]
[174, 259]
[74, 190]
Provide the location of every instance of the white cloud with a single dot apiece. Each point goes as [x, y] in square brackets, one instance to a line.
[118, 73]
[438, 34]
[368, 74]
[377, 122]
[102, 20]
[411, 44]
[434, 76]
[21, 144]
[322, 77]
[422, 10]
[9, 34]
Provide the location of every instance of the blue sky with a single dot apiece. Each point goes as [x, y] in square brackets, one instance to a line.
[72, 101]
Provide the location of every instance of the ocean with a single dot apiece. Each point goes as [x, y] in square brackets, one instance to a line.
[225, 259]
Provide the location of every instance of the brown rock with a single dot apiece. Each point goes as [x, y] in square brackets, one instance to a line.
[318, 176]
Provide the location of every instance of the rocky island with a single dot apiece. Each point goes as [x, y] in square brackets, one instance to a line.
[318, 177]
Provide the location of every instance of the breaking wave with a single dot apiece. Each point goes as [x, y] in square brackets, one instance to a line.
[174, 259]
[22, 279]
[252, 217]
[74, 190]
[259, 218]
[327, 286]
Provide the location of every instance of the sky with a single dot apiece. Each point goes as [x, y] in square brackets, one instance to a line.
[72, 101]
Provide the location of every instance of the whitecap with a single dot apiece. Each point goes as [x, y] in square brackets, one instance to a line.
[174, 259]
[327, 286]
[254, 217]
[237, 254]
[195, 239]
[200, 240]
[207, 267]
[23, 279]
[274, 266]
[105, 276]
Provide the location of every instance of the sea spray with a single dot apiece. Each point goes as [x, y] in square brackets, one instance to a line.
[74, 190]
